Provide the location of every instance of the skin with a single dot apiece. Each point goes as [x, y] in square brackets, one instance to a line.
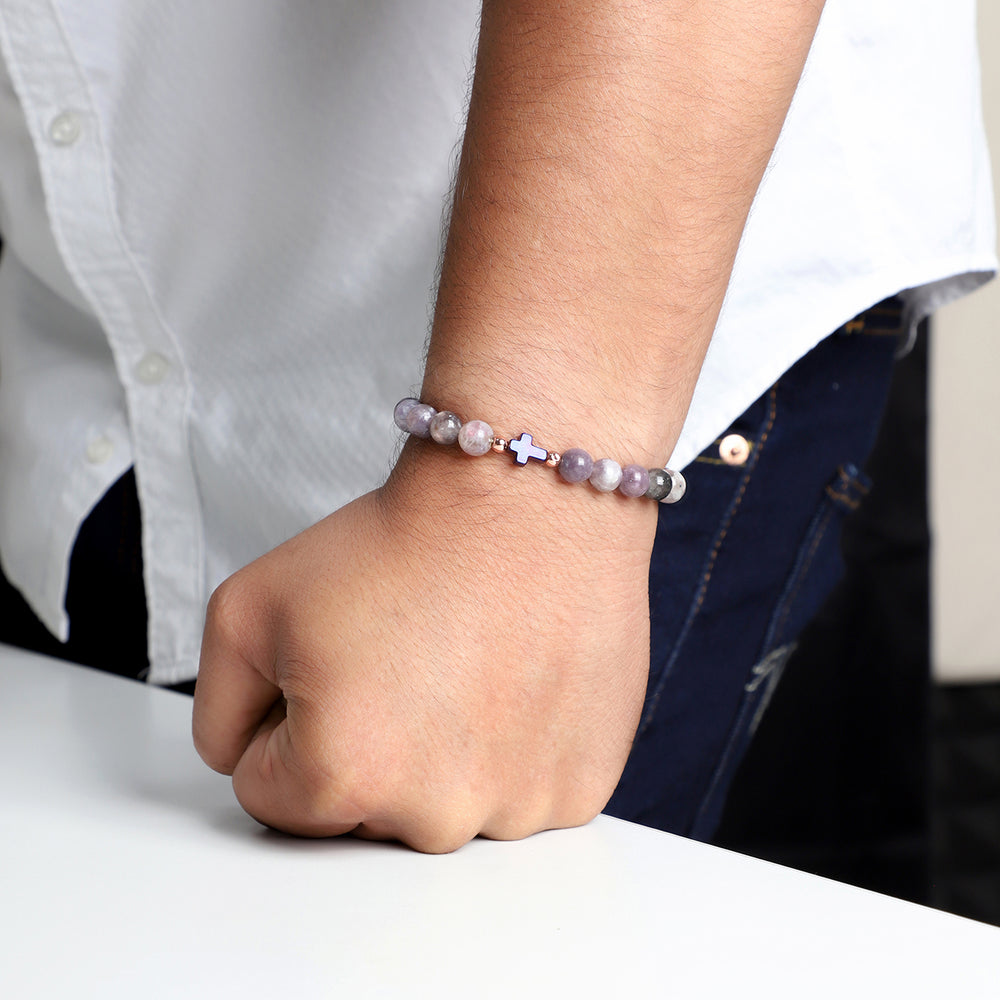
[464, 651]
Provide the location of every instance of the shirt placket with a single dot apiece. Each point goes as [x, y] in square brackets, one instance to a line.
[76, 167]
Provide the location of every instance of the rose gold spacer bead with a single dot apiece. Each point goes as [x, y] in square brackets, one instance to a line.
[734, 449]
[499, 445]
[553, 460]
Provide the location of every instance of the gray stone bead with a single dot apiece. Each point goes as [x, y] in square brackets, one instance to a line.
[678, 487]
[606, 476]
[402, 411]
[635, 481]
[418, 420]
[576, 465]
[445, 427]
[475, 437]
[659, 484]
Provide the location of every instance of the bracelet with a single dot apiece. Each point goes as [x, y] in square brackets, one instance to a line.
[476, 437]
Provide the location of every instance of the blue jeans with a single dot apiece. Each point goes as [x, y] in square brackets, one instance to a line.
[741, 565]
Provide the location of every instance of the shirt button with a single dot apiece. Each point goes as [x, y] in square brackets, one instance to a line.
[152, 368]
[100, 450]
[734, 449]
[65, 129]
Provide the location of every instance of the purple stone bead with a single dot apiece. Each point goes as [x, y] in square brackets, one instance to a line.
[445, 427]
[418, 420]
[606, 476]
[575, 465]
[475, 437]
[635, 481]
[402, 411]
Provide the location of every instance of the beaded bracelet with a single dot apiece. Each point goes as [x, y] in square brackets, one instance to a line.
[477, 438]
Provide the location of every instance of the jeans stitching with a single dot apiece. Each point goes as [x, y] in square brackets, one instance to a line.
[853, 503]
[840, 494]
[801, 570]
[709, 565]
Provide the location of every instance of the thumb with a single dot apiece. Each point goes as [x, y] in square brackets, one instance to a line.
[278, 789]
[232, 696]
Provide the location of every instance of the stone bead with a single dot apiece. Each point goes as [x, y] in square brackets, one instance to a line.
[445, 427]
[606, 476]
[635, 481]
[677, 489]
[418, 420]
[475, 437]
[402, 411]
[659, 484]
[575, 465]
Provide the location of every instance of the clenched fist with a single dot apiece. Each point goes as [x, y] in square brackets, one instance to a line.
[462, 652]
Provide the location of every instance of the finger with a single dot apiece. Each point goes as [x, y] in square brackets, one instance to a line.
[437, 828]
[232, 695]
[275, 788]
[518, 822]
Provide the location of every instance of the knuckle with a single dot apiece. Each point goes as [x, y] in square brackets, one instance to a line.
[514, 830]
[234, 619]
[520, 824]
[227, 609]
[439, 841]
[578, 810]
[443, 831]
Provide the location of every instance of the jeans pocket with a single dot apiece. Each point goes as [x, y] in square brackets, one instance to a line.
[737, 571]
[814, 572]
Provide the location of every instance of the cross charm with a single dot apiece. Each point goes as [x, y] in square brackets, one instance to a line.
[524, 448]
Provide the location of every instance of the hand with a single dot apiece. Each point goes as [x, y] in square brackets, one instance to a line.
[462, 652]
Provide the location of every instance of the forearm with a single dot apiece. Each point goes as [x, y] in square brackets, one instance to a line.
[450, 662]
[612, 153]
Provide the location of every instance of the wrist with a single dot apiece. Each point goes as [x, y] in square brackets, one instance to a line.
[526, 515]
[564, 407]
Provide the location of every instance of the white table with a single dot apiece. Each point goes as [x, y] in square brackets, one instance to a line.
[128, 870]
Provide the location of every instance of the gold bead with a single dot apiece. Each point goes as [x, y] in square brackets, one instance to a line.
[499, 445]
[553, 460]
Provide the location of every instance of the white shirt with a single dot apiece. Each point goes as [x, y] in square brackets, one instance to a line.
[222, 222]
